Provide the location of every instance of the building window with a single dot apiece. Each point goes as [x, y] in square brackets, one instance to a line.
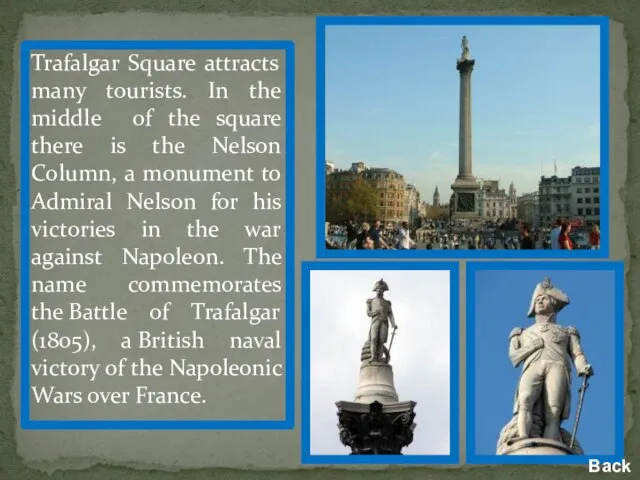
[579, 190]
[588, 211]
[596, 190]
[596, 200]
[580, 211]
[587, 200]
[596, 211]
[579, 200]
[587, 190]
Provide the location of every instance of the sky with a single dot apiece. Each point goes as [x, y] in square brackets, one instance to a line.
[420, 355]
[393, 93]
[591, 311]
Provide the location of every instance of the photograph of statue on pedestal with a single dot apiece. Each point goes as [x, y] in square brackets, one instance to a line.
[379, 339]
[452, 140]
[545, 362]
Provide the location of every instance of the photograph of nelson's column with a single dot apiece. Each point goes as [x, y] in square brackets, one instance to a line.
[470, 145]
[381, 367]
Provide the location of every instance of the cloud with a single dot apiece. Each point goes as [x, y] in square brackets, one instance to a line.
[420, 353]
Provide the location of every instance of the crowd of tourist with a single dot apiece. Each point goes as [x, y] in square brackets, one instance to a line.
[460, 235]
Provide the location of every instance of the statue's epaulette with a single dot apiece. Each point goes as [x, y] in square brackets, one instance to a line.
[515, 332]
[572, 331]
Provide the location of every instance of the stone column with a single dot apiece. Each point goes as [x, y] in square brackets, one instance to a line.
[375, 422]
[465, 171]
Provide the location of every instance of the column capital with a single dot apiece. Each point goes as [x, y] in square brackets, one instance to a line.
[376, 429]
[465, 66]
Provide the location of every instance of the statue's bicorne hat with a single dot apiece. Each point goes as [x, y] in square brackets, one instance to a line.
[381, 284]
[546, 288]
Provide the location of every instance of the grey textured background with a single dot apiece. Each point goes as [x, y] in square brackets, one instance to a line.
[255, 444]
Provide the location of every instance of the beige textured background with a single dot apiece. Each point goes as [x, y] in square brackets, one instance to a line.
[269, 450]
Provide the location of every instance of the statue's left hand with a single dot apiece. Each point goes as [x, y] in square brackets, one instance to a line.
[587, 371]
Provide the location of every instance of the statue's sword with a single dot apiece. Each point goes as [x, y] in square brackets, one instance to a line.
[582, 390]
[393, 335]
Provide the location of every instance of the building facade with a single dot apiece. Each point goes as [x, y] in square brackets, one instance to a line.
[576, 196]
[412, 205]
[528, 209]
[424, 208]
[585, 194]
[390, 191]
[554, 198]
[513, 201]
[494, 203]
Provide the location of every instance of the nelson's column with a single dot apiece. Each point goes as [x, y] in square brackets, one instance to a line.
[465, 187]
[376, 423]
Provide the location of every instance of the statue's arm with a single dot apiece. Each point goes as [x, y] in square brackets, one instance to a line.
[517, 352]
[575, 350]
[392, 318]
[369, 309]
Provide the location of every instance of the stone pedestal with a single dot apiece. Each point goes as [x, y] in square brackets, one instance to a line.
[376, 429]
[465, 205]
[536, 446]
[376, 384]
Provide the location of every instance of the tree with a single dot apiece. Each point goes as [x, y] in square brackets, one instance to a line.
[437, 213]
[358, 202]
[335, 210]
[362, 200]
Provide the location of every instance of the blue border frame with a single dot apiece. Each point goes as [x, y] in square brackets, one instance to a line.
[615, 266]
[26, 422]
[307, 458]
[605, 213]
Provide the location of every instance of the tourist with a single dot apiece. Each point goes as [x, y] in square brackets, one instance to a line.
[352, 231]
[364, 241]
[555, 234]
[404, 237]
[376, 236]
[594, 237]
[564, 240]
[526, 242]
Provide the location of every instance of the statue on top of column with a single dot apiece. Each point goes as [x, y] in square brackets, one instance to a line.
[466, 53]
[381, 314]
[547, 352]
